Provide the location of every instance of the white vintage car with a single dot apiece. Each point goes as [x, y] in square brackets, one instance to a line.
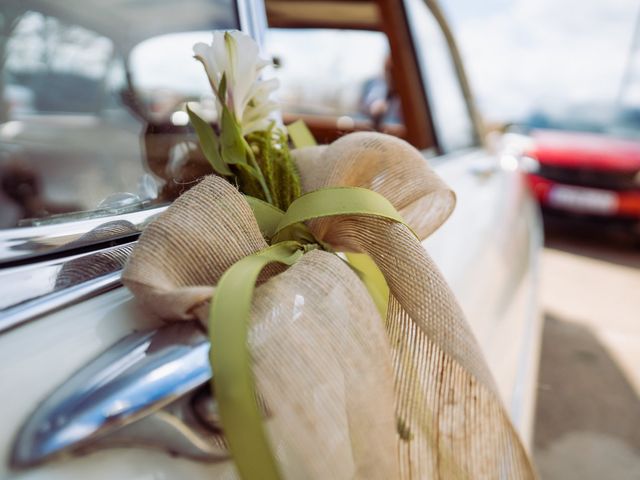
[94, 143]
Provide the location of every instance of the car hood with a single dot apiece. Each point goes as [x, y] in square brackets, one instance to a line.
[587, 150]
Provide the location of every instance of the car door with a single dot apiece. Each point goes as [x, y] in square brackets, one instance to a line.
[488, 249]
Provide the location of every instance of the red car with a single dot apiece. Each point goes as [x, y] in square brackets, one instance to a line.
[593, 174]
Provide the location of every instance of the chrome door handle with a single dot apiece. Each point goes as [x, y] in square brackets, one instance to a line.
[140, 391]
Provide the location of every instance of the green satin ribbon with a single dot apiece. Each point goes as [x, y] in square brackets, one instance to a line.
[233, 380]
[332, 201]
[300, 134]
[373, 279]
[268, 216]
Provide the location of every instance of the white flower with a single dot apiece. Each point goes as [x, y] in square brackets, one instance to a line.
[236, 55]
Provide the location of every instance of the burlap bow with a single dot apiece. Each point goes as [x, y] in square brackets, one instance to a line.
[348, 394]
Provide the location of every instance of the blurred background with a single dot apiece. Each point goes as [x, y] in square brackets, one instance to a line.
[529, 57]
[573, 66]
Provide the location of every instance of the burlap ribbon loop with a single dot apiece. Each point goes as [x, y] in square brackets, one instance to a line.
[350, 395]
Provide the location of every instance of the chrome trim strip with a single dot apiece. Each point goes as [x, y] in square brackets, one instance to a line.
[22, 313]
[34, 290]
[26, 243]
[458, 64]
[253, 19]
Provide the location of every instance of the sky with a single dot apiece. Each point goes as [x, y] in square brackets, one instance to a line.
[526, 54]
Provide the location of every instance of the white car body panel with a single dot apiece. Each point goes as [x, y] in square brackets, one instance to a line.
[488, 251]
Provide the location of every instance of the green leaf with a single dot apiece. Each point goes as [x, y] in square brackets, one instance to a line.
[253, 172]
[222, 90]
[209, 143]
[234, 147]
[248, 181]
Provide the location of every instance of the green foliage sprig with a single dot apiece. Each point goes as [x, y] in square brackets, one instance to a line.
[271, 150]
[260, 163]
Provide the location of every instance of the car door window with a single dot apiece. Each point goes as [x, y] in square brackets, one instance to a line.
[454, 127]
[92, 97]
[347, 79]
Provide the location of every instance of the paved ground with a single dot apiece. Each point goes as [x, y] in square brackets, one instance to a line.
[588, 414]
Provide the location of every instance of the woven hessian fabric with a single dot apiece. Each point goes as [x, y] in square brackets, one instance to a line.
[347, 394]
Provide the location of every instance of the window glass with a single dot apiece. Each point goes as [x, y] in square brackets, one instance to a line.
[92, 96]
[452, 122]
[342, 74]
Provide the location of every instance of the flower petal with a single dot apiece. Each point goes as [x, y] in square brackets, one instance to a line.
[236, 56]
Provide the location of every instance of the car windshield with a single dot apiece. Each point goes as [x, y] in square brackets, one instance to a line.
[92, 96]
[622, 122]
